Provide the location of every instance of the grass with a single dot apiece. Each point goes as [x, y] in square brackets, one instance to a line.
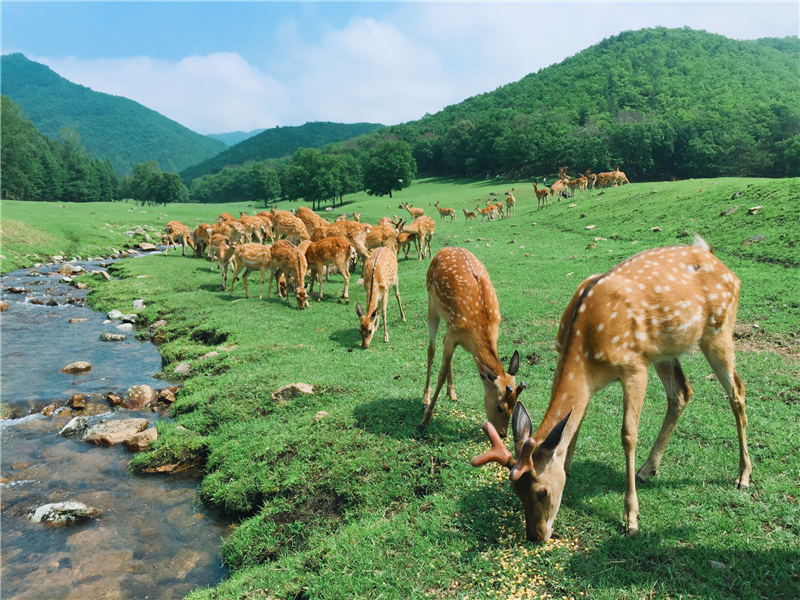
[359, 503]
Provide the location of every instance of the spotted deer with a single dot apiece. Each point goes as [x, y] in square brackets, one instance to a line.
[511, 203]
[423, 228]
[201, 237]
[249, 258]
[177, 229]
[445, 212]
[580, 184]
[404, 242]
[649, 309]
[380, 273]
[290, 226]
[288, 260]
[330, 251]
[461, 293]
[414, 212]
[224, 217]
[384, 235]
[310, 219]
[541, 196]
[355, 232]
[470, 214]
[254, 227]
[489, 211]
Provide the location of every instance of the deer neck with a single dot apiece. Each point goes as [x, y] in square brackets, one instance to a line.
[484, 348]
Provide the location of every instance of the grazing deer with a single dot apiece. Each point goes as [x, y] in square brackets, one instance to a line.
[330, 251]
[288, 260]
[414, 212]
[310, 219]
[290, 226]
[470, 214]
[511, 203]
[380, 273]
[461, 293]
[224, 217]
[356, 233]
[249, 258]
[558, 188]
[405, 241]
[254, 227]
[541, 196]
[423, 228]
[489, 211]
[384, 235]
[201, 237]
[177, 229]
[445, 212]
[649, 309]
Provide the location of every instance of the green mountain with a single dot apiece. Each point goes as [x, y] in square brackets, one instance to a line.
[659, 103]
[110, 127]
[234, 137]
[277, 143]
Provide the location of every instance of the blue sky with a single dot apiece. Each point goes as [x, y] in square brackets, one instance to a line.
[219, 67]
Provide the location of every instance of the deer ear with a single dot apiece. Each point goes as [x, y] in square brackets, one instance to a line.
[554, 438]
[513, 366]
[359, 310]
[374, 314]
[485, 372]
[521, 425]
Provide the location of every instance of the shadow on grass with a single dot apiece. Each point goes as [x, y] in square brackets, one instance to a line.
[399, 418]
[348, 338]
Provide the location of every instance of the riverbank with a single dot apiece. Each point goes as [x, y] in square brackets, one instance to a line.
[338, 494]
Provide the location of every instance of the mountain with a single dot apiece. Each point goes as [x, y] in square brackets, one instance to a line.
[277, 143]
[110, 127]
[659, 103]
[233, 138]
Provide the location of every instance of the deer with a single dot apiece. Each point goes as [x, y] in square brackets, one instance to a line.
[414, 212]
[248, 258]
[224, 217]
[445, 212]
[290, 226]
[384, 235]
[288, 260]
[310, 219]
[380, 273]
[254, 226]
[200, 237]
[178, 229]
[591, 178]
[355, 232]
[497, 206]
[470, 214]
[619, 177]
[511, 203]
[461, 293]
[541, 196]
[404, 242]
[489, 211]
[423, 228]
[557, 189]
[330, 251]
[649, 309]
[580, 184]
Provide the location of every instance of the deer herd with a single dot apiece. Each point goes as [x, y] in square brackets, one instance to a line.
[648, 310]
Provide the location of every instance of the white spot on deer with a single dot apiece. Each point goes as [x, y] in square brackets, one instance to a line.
[641, 286]
[640, 336]
[598, 355]
[615, 339]
[582, 308]
[658, 289]
[600, 327]
[571, 376]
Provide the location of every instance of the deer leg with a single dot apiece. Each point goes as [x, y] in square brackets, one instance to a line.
[678, 395]
[447, 359]
[346, 274]
[269, 287]
[433, 326]
[236, 272]
[720, 357]
[634, 385]
[261, 291]
[244, 280]
[397, 294]
[385, 303]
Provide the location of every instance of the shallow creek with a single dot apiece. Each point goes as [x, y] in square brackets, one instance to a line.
[151, 537]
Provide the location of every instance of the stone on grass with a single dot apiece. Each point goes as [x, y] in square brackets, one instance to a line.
[753, 240]
[158, 324]
[717, 565]
[754, 210]
[80, 366]
[74, 426]
[103, 274]
[109, 433]
[61, 512]
[147, 247]
[139, 396]
[81, 286]
[731, 210]
[320, 415]
[114, 315]
[291, 391]
[138, 304]
[141, 441]
[183, 369]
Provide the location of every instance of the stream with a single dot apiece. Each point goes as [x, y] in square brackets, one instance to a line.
[151, 537]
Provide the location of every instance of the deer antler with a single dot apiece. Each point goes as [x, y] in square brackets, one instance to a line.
[499, 453]
[524, 462]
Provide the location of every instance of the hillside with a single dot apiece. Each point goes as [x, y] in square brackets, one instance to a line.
[234, 137]
[660, 103]
[277, 143]
[110, 127]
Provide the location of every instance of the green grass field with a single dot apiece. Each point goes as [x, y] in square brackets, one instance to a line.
[362, 504]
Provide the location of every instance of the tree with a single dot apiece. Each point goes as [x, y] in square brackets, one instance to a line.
[165, 188]
[264, 183]
[391, 167]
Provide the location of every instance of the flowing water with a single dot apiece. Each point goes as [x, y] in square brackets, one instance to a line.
[151, 537]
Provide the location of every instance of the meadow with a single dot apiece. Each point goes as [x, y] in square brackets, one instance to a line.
[361, 503]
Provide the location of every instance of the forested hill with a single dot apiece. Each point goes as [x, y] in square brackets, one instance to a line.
[659, 102]
[234, 137]
[110, 127]
[277, 143]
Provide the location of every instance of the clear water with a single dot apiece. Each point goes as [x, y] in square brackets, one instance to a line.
[151, 538]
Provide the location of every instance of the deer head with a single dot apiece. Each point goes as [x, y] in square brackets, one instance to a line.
[500, 393]
[369, 324]
[536, 478]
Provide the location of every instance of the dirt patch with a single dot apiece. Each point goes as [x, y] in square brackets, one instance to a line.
[750, 338]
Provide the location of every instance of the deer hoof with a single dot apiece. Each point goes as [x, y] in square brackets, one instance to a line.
[632, 532]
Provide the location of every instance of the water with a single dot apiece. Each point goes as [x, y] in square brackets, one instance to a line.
[151, 538]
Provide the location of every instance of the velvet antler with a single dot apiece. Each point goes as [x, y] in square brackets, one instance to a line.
[499, 453]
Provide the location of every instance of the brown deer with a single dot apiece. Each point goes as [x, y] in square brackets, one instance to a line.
[330, 251]
[201, 237]
[249, 258]
[288, 260]
[423, 228]
[580, 184]
[404, 242]
[414, 212]
[177, 229]
[380, 273]
[224, 217]
[290, 226]
[649, 309]
[470, 214]
[511, 203]
[489, 211]
[223, 254]
[384, 235]
[254, 227]
[310, 219]
[558, 188]
[541, 196]
[461, 293]
[445, 212]
[355, 232]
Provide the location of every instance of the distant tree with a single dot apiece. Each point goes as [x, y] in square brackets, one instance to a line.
[313, 176]
[351, 176]
[264, 183]
[166, 188]
[391, 168]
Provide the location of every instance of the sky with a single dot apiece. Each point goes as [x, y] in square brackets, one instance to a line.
[218, 67]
